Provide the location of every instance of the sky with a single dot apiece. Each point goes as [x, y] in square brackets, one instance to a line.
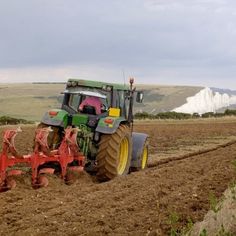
[167, 42]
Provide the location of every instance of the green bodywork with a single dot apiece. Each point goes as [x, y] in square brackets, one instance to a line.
[88, 125]
[111, 127]
[60, 118]
[78, 119]
[56, 117]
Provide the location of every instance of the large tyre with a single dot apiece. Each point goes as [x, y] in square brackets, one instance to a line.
[114, 154]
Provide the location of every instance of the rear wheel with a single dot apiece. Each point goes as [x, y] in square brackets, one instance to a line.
[114, 154]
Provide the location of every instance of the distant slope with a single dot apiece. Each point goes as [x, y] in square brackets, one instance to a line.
[164, 98]
[31, 101]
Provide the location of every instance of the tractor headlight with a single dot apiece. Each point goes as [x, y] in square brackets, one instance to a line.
[107, 88]
[69, 84]
[74, 83]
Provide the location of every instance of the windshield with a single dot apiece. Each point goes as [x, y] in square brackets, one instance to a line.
[76, 97]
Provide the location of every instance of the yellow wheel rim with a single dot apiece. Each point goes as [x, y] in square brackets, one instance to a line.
[123, 158]
[144, 157]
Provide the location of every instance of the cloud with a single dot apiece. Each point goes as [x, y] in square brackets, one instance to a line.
[183, 4]
[197, 76]
[62, 73]
[147, 38]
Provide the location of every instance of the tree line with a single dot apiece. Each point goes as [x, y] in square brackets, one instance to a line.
[180, 116]
[6, 120]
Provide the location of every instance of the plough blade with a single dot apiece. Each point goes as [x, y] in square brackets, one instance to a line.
[67, 153]
[42, 181]
[8, 184]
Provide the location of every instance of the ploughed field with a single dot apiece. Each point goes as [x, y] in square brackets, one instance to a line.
[189, 161]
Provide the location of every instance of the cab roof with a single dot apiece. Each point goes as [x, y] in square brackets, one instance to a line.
[95, 84]
[86, 93]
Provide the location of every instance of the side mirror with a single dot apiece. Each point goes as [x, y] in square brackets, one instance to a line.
[139, 97]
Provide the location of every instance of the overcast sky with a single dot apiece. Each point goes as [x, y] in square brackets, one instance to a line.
[190, 42]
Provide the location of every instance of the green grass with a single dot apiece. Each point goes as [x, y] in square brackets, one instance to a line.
[31, 101]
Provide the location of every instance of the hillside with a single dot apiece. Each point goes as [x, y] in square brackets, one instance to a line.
[164, 98]
[30, 101]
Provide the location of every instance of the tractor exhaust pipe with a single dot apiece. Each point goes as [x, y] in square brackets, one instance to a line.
[131, 103]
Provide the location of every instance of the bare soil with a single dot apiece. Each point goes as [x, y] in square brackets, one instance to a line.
[138, 204]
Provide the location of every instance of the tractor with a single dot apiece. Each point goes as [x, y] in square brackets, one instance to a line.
[106, 139]
[95, 136]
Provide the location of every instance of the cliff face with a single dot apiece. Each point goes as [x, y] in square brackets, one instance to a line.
[207, 101]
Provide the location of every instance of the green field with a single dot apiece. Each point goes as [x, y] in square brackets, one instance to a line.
[30, 101]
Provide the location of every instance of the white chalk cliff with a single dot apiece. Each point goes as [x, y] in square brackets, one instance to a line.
[206, 101]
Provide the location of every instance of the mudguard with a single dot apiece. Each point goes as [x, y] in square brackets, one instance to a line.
[139, 140]
[109, 124]
[56, 117]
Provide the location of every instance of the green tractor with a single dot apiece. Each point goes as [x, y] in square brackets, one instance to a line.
[105, 138]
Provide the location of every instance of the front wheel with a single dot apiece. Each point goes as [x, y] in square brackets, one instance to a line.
[144, 156]
[139, 159]
[114, 154]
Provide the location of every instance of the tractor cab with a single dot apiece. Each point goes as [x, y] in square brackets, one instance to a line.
[111, 96]
[98, 105]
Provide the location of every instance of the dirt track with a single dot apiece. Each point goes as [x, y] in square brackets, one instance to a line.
[136, 204]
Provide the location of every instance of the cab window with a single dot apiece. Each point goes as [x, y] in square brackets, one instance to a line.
[74, 101]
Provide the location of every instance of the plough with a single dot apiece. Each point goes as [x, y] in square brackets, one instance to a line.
[67, 156]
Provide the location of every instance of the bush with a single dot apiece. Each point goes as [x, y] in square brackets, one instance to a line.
[229, 112]
[181, 116]
[6, 120]
[173, 115]
[208, 114]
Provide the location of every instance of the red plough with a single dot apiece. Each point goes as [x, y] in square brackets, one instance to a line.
[67, 153]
